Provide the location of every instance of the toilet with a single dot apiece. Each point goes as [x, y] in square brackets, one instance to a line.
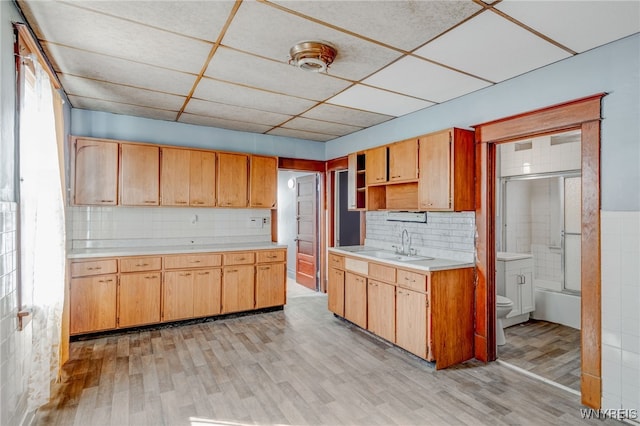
[503, 307]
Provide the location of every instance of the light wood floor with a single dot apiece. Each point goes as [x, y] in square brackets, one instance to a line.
[293, 367]
[547, 349]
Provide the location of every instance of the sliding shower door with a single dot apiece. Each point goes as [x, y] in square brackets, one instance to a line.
[571, 234]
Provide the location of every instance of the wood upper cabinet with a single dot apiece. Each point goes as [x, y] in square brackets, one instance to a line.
[263, 185]
[139, 175]
[187, 178]
[92, 303]
[355, 299]
[447, 171]
[233, 180]
[238, 288]
[376, 165]
[411, 321]
[140, 295]
[96, 172]
[403, 161]
[335, 291]
[381, 308]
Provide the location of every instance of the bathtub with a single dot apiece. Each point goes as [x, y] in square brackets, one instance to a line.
[556, 306]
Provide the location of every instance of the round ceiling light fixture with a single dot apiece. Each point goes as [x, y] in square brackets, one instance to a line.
[313, 56]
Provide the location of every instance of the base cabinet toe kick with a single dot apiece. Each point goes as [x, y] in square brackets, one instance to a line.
[427, 313]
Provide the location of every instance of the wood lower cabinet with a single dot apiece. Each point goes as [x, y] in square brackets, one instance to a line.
[381, 309]
[95, 172]
[335, 291]
[139, 299]
[411, 322]
[93, 304]
[270, 285]
[355, 299]
[177, 295]
[238, 288]
[207, 290]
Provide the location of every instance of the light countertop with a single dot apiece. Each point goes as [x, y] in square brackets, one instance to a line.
[85, 253]
[430, 264]
[503, 255]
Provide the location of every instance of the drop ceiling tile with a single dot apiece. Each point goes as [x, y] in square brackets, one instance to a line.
[241, 68]
[78, 86]
[317, 126]
[492, 47]
[117, 108]
[65, 24]
[592, 23]
[233, 94]
[264, 30]
[223, 124]
[81, 63]
[299, 134]
[423, 79]
[375, 100]
[200, 19]
[339, 114]
[420, 20]
[231, 112]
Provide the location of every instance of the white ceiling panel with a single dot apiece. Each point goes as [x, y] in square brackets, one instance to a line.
[423, 79]
[119, 108]
[421, 20]
[325, 127]
[199, 19]
[232, 112]
[491, 47]
[223, 124]
[264, 30]
[87, 88]
[299, 134]
[237, 67]
[380, 101]
[83, 29]
[592, 23]
[339, 114]
[233, 94]
[81, 63]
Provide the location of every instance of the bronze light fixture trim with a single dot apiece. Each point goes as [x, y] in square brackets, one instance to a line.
[313, 56]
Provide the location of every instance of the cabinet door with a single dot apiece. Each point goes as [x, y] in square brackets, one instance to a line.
[177, 297]
[355, 299]
[238, 289]
[174, 177]
[139, 175]
[96, 172]
[232, 180]
[411, 321]
[512, 290]
[202, 179]
[382, 310]
[527, 297]
[139, 299]
[434, 186]
[92, 304]
[270, 285]
[403, 161]
[207, 285]
[376, 165]
[335, 291]
[264, 182]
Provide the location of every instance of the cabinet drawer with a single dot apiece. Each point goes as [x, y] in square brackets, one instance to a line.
[241, 258]
[192, 261]
[138, 264]
[266, 256]
[94, 267]
[381, 272]
[412, 280]
[358, 266]
[336, 261]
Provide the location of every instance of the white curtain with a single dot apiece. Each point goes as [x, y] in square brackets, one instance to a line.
[42, 232]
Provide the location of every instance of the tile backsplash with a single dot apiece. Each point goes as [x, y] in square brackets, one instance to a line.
[104, 226]
[445, 235]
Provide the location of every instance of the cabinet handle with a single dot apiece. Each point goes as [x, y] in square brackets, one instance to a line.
[265, 268]
[181, 202]
[149, 201]
[106, 281]
[149, 277]
[142, 264]
[275, 257]
[188, 274]
[396, 176]
[195, 261]
[198, 202]
[106, 201]
[203, 273]
[95, 268]
[232, 270]
[257, 204]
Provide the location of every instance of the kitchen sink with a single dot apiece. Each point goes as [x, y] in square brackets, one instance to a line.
[389, 255]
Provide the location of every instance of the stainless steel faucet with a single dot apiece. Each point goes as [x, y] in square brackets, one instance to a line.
[406, 250]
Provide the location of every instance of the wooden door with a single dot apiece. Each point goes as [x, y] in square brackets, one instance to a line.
[96, 172]
[335, 291]
[92, 304]
[355, 299]
[238, 288]
[376, 165]
[434, 186]
[139, 175]
[263, 185]
[270, 285]
[403, 161]
[207, 284]
[177, 300]
[307, 231]
[411, 321]
[174, 177]
[233, 180]
[381, 309]
[202, 179]
[139, 299]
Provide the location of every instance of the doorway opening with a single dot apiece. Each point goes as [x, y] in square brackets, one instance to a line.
[347, 222]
